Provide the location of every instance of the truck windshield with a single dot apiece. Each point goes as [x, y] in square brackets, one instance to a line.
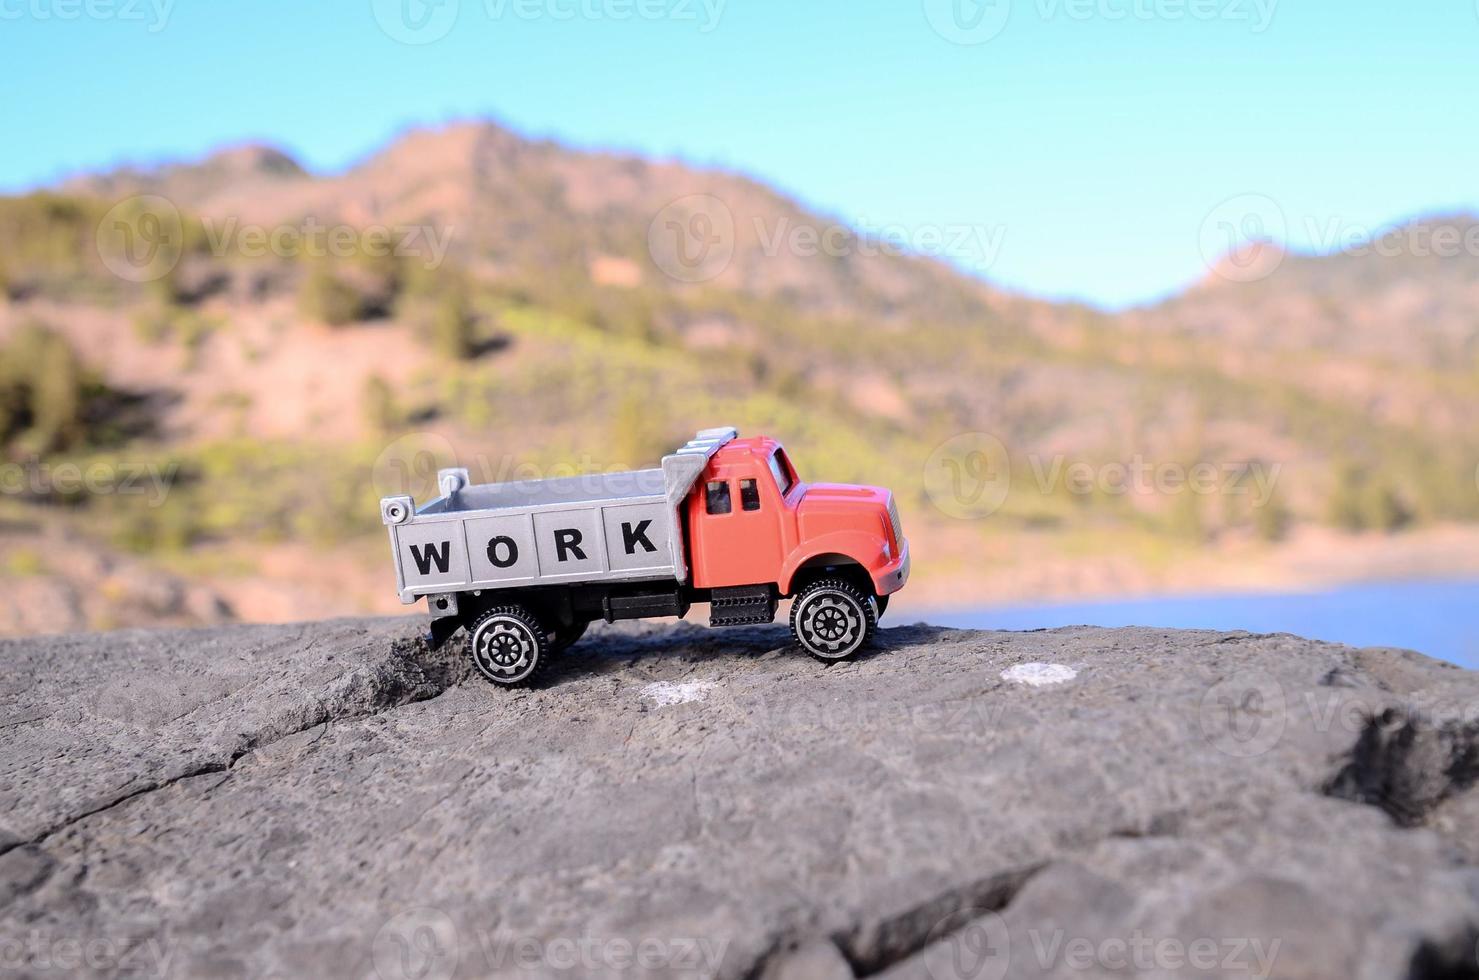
[781, 468]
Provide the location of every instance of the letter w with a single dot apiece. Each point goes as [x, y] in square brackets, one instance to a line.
[425, 559]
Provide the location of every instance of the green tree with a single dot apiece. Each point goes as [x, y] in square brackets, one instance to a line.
[381, 410]
[10, 412]
[1272, 519]
[452, 325]
[43, 390]
[638, 433]
[1382, 507]
[1185, 519]
[1345, 509]
[57, 395]
[325, 297]
[165, 290]
[1361, 501]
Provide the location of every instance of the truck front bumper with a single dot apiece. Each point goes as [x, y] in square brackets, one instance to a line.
[891, 577]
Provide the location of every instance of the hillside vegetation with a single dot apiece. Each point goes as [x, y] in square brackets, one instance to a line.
[468, 290]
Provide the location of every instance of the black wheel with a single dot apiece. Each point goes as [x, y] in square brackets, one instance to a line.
[508, 645]
[832, 619]
[566, 637]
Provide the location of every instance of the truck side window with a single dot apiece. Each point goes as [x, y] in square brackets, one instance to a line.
[716, 497]
[781, 472]
[749, 495]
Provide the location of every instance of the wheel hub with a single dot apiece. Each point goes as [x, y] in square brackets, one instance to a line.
[832, 624]
[504, 649]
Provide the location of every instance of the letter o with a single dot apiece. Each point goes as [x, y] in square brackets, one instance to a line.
[510, 558]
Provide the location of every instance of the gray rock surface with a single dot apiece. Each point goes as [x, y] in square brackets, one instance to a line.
[332, 800]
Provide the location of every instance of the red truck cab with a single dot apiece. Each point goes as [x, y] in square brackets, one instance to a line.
[752, 520]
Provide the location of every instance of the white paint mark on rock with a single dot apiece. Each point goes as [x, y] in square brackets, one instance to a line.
[664, 693]
[1039, 675]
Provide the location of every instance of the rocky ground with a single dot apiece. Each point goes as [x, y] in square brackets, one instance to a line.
[333, 800]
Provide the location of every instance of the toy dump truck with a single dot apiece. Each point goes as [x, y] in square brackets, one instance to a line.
[525, 567]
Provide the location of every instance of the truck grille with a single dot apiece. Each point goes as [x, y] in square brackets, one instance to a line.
[893, 520]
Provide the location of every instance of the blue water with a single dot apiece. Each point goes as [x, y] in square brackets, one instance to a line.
[1440, 618]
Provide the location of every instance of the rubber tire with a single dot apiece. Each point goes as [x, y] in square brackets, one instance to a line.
[564, 639]
[858, 609]
[518, 626]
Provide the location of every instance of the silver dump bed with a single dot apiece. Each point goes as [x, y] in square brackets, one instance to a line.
[602, 527]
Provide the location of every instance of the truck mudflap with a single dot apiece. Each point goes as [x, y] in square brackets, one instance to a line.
[441, 631]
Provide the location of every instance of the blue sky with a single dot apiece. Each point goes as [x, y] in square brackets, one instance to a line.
[1091, 143]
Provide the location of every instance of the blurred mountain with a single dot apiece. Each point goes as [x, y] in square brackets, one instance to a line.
[247, 166]
[519, 208]
[590, 308]
[1386, 327]
[1406, 295]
